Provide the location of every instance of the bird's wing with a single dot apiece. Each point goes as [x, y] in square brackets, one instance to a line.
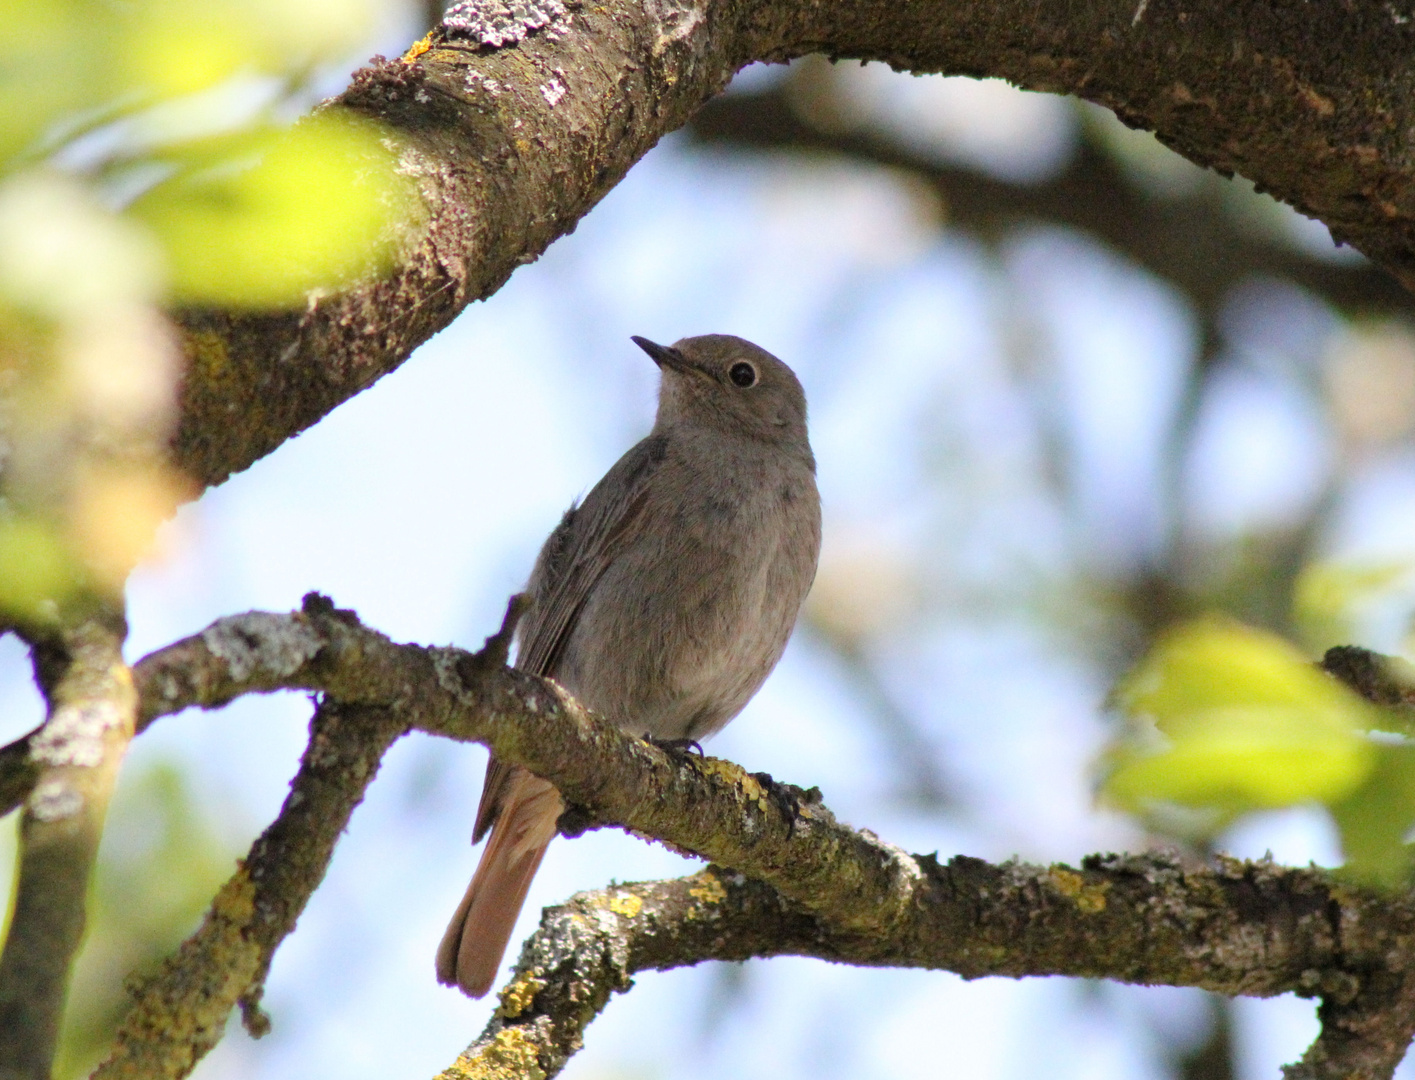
[574, 558]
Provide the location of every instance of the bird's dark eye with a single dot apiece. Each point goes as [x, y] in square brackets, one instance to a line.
[743, 374]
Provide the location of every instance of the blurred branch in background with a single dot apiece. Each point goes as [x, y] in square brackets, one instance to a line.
[1188, 226]
[161, 861]
[180, 1013]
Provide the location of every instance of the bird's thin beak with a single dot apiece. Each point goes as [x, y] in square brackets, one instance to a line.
[663, 355]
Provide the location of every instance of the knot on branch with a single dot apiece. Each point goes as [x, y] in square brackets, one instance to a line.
[259, 641]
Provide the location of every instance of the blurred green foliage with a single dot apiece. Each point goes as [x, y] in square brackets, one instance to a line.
[248, 212]
[1224, 720]
[144, 162]
[259, 199]
[1328, 598]
[1243, 722]
[35, 567]
[161, 861]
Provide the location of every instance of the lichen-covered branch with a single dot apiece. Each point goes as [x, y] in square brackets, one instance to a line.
[180, 1013]
[1154, 910]
[1239, 928]
[69, 767]
[1364, 1038]
[514, 134]
[588, 949]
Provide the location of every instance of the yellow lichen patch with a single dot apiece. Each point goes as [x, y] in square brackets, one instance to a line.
[1089, 898]
[208, 354]
[236, 900]
[1092, 899]
[735, 774]
[509, 1056]
[626, 904]
[709, 889]
[177, 1009]
[517, 997]
[418, 47]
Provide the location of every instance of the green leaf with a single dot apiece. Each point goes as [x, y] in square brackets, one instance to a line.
[1232, 718]
[171, 48]
[35, 567]
[1376, 818]
[261, 220]
[55, 58]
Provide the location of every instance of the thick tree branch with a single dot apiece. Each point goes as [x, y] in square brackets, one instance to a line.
[1240, 928]
[70, 765]
[1365, 1037]
[590, 947]
[514, 137]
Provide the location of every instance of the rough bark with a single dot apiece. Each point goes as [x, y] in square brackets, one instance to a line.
[797, 880]
[513, 137]
[589, 948]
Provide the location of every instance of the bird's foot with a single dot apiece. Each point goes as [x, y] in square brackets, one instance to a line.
[576, 820]
[675, 747]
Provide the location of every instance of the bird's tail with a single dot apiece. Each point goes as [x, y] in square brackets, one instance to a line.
[471, 950]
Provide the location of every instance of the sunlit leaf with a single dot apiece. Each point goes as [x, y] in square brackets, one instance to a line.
[1239, 720]
[1377, 817]
[55, 58]
[263, 219]
[35, 566]
[62, 254]
[170, 47]
[116, 513]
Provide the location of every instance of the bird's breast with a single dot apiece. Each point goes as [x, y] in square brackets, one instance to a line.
[692, 615]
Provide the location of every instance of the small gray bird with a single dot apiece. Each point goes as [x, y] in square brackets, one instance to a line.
[662, 601]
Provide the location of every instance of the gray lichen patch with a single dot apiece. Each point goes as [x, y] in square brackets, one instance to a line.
[677, 22]
[55, 800]
[74, 734]
[260, 641]
[495, 23]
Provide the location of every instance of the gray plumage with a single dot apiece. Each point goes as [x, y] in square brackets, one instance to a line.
[663, 601]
